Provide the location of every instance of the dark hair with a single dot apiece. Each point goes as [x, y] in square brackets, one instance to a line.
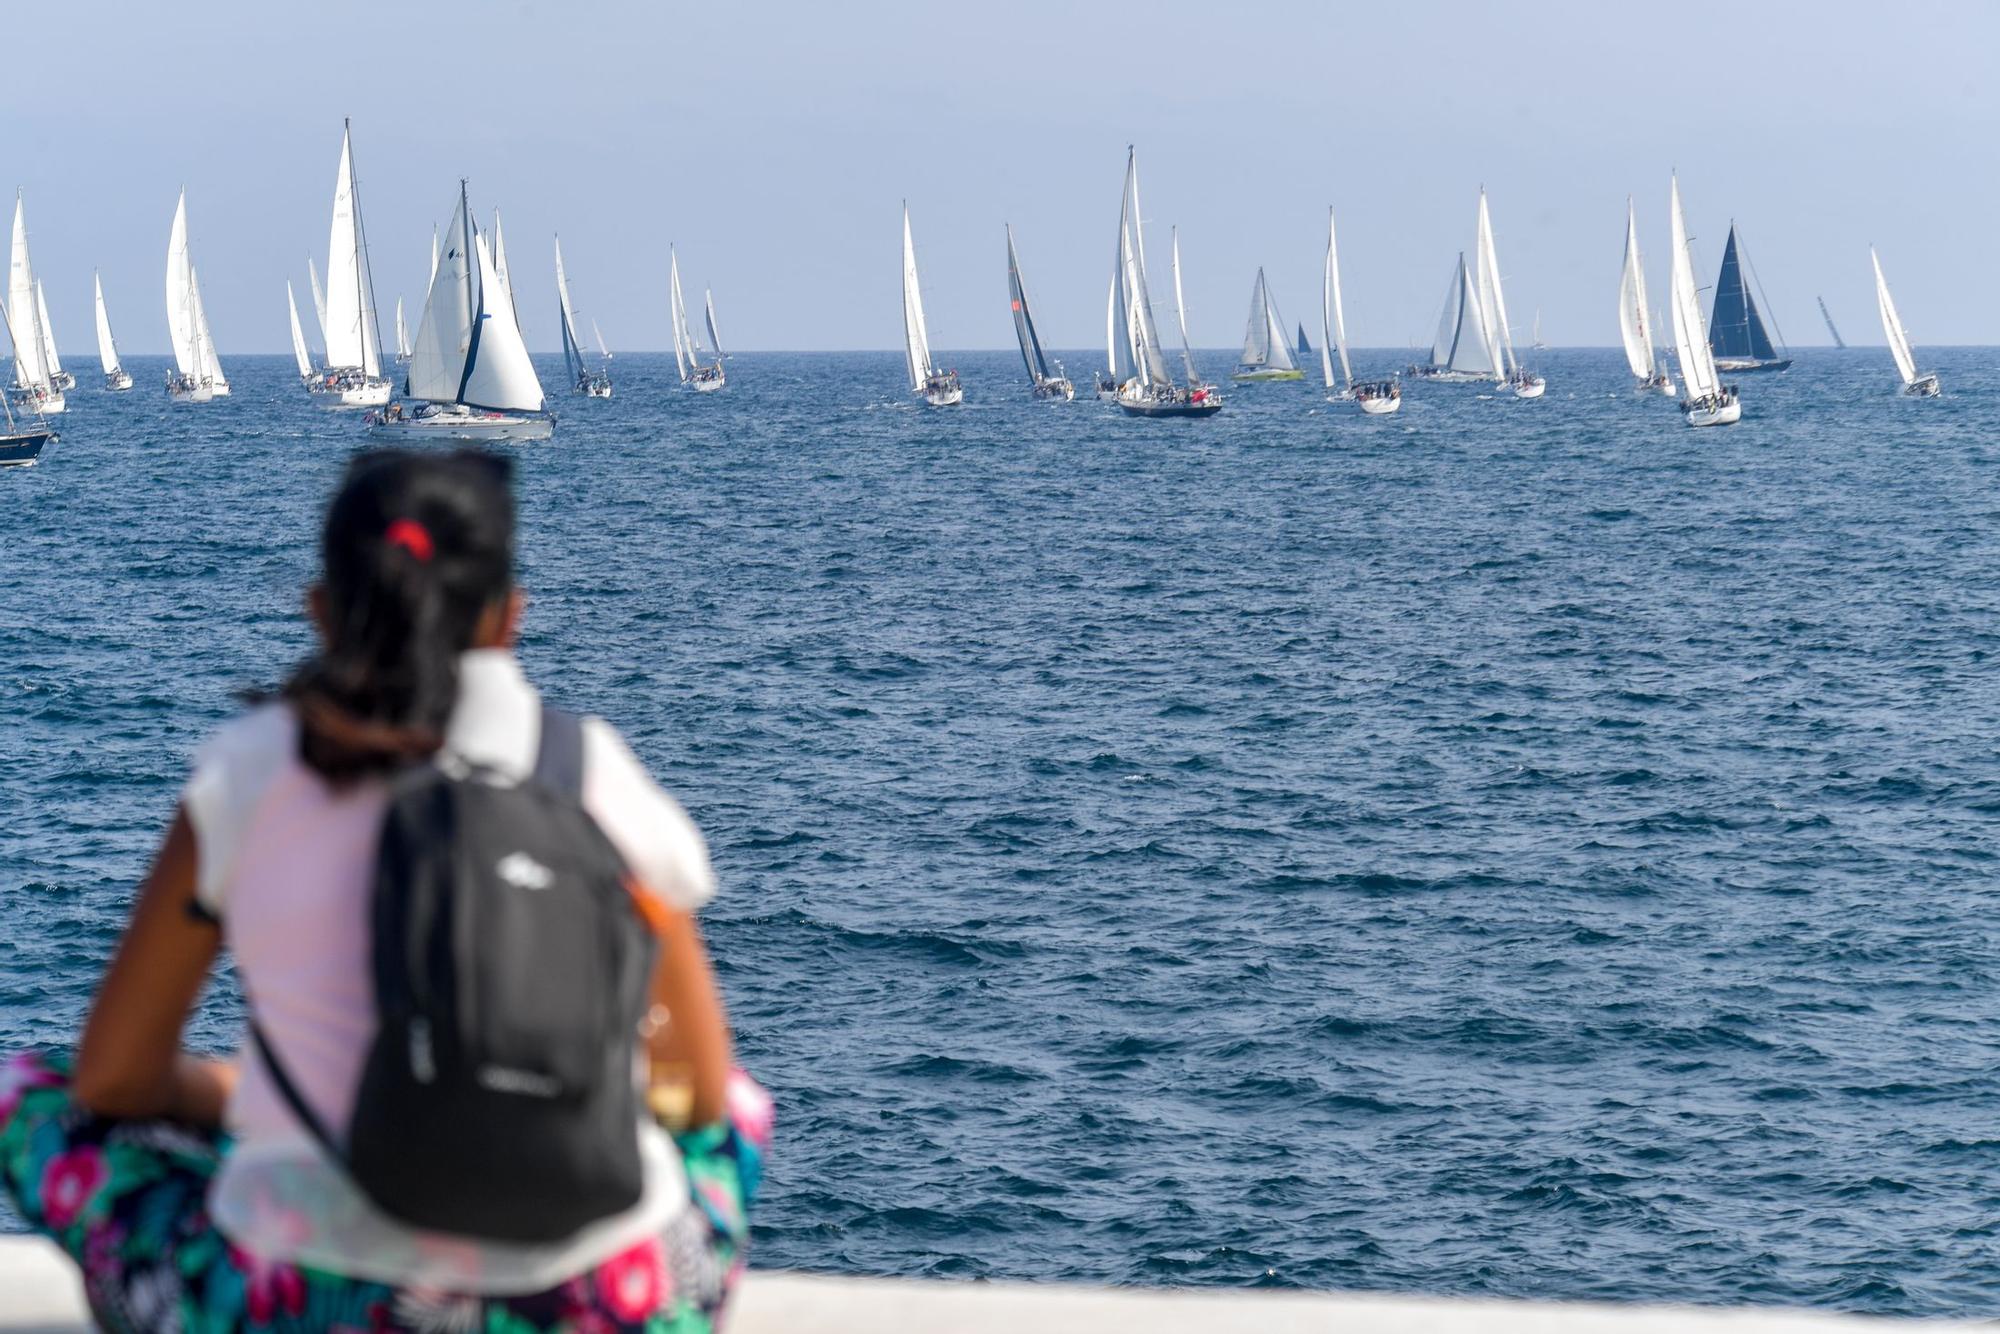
[416, 548]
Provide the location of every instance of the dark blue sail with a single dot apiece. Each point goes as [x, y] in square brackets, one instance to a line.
[1304, 348]
[1735, 329]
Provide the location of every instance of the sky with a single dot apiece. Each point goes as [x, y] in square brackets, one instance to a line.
[773, 142]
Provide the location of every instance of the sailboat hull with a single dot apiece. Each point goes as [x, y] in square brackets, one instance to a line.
[21, 448]
[1439, 376]
[455, 422]
[1268, 373]
[1725, 415]
[1533, 387]
[44, 401]
[1055, 390]
[1744, 365]
[1924, 386]
[1659, 384]
[347, 392]
[118, 382]
[711, 385]
[944, 398]
[1381, 407]
[199, 393]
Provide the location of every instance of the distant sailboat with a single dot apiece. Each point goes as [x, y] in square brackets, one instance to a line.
[1194, 380]
[58, 377]
[1302, 349]
[20, 445]
[353, 376]
[1735, 326]
[597, 334]
[1834, 333]
[299, 353]
[1535, 338]
[1376, 397]
[1146, 387]
[36, 387]
[590, 381]
[1464, 351]
[1266, 355]
[1518, 378]
[1709, 402]
[1047, 383]
[116, 378]
[1640, 353]
[1915, 384]
[402, 336]
[468, 367]
[197, 375]
[703, 379]
[940, 389]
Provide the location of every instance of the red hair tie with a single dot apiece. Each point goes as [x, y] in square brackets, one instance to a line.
[411, 537]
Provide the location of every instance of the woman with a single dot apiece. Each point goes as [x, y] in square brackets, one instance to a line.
[124, 1158]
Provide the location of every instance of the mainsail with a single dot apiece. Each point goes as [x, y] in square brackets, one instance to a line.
[353, 336]
[1493, 304]
[1632, 306]
[1892, 324]
[1332, 324]
[498, 253]
[1464, 344]
[402, 333]
[48, 332]
[1144, 331]
[1024, 320]
[687, 348]
[708, 317]
[1180, 314]
[468, 347]
[1691, 341]
[916, 338]
[107, 346]
[31, 368]
[299, 353]
[181, 329]
[1735, 327]
[1304, 348]
[1264, 341]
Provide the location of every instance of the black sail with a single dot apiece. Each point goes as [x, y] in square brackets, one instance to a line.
[1735, 329]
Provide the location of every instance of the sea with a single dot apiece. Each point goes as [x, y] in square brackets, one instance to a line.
[1505, 848]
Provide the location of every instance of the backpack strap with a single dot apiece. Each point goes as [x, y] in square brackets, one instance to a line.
[559, 761]
[289, 1091]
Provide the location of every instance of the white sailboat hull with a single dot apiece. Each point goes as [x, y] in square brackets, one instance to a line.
[453, 421]
[943, 398]
[1379, 407]
[184, 393]
[1924, 386]
[1533, 386]
[118, 381]
[1725, 414]
[44, 401]
[370, 393]
[1436, 376]
[1659, 384]
[1269, 373]
[1055, 390]
[709, 386]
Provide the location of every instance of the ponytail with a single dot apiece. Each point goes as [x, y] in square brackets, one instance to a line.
[416, 549]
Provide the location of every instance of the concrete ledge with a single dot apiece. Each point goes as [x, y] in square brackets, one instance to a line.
[39, 1294]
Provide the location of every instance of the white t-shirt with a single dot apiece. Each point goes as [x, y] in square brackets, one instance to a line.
[287, 863]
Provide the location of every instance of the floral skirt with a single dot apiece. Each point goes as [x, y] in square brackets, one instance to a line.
[128, 1200]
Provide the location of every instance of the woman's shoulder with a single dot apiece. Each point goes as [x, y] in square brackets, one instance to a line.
[660, 844]
[231, 771]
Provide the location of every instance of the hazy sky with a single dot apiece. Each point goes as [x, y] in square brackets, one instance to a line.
[773, 141]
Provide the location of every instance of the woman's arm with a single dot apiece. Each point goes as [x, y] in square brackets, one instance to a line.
[130, 1062]
[695, 1037]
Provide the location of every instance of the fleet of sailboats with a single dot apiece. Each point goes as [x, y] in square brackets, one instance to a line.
[590, 381]
[116, 378]
[707, 377]
[1046, 383]
[1916, 384]
[197, 375]
[939, 388]
[469, 373]
[1640, 354]
[1708, 402]
[1376, 397]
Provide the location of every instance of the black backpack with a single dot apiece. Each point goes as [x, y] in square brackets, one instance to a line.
[500, 1098]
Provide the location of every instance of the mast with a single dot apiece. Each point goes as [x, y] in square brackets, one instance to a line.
[1827, 315]
[572, 354]
[466, 232]
[364, 279]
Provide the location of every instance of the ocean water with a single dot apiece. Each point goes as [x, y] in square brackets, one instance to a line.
[1506, 848]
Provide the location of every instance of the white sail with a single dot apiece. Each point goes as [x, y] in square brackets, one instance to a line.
[708, 314]
[180, 296]
[501, 376]
[1892, 324]
[48, 331]
[31, 369]
[498, 254]
[572, 349]
[1333, 325]
[1180, 312]
[211, 367]
[1447, 319]
[1690, 334]
[1145, 329]
[1119, 358]
[107, 346]
[444, 331]
[434, 256]
[402, 333]
[352, 341]
[299, 353]
[916, 338]
[687, 349]
[1470, 349]
[1632, 306]
[1264, 340]
[319, 298]
[1489, 292]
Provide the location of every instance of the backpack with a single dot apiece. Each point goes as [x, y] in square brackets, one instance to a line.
[500, 1097]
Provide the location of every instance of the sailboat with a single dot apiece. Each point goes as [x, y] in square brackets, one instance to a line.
[1709, 402]
[940, 389]
[58, 377]
[1376, 397]
[1524, 383]
[1145, 387]
[299, 353]
[402, 336]
[197, 375]
[353, 376]
[591, 382]
[116, 378]
[1834, 333]
[1266, 355]
[1194, 380]
[1302, 349]
[1735, 326]
[597, 334]
[1464, 351]
[21, 445]
[1047, 384]
[35, 387]
[469, 368]
[1535, 338]
[1632, 315]
[1924, 385]
[703, 379]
